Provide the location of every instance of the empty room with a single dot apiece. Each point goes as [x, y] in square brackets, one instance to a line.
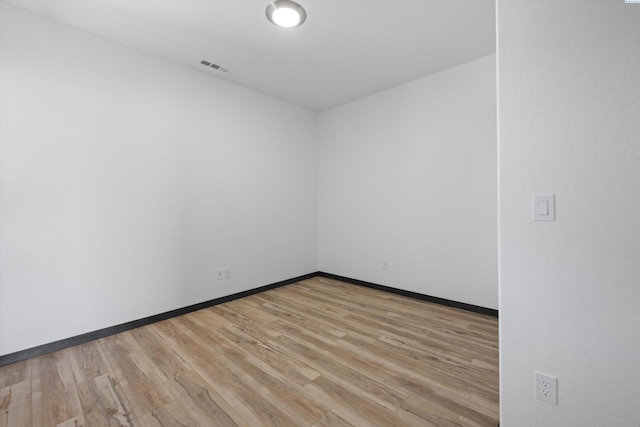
[320, 213]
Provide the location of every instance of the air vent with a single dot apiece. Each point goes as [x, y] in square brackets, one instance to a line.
[214, 66]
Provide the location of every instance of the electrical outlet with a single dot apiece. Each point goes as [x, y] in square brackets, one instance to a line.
[221, 274]
[227, 273]
[546, 388]
[385, 265]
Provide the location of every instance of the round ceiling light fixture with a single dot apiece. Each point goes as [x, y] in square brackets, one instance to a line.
[286, 14]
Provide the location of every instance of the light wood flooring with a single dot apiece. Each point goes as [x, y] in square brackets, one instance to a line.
[314, 353]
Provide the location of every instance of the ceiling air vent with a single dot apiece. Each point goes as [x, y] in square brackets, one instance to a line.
[214, 66]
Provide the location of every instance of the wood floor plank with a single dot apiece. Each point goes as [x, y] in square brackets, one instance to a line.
[73, 422]
[15, 373]
[409, 419]
[439, 412]
[339, 371]
[15, 405]
[423, 380]
[225, 375]
[164, 361]
[55, 398]
[331, 419]
[281, 391]
[379, 321]
[169, 415]
[103, 402]
[87, 361]
[142, 387]
[366, 408]
[201, 401]
[201, 359]
[319, 352]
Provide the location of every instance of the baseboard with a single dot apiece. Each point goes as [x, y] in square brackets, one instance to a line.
[101, 333]
[442, 301]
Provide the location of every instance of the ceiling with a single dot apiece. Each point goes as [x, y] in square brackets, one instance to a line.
[346, 49]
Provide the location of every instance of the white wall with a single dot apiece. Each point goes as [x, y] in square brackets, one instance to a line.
[126, 181]
[569, 84]
[408, 176]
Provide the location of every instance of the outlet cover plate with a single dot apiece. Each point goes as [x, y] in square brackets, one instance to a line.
[546, 388]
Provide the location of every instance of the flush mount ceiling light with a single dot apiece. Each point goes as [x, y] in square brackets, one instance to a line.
[286, 14]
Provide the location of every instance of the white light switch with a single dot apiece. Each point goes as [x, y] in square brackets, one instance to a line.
[544, 207]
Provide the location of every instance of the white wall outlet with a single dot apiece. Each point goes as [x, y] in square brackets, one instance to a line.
[221, 274]
[227, 272]
[546, 388]
[385, 265]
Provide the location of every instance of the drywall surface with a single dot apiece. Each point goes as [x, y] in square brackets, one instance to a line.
[408, 177]
[128, 181]
[569, 85]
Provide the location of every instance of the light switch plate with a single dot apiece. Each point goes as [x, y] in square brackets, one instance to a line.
[544, 207]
